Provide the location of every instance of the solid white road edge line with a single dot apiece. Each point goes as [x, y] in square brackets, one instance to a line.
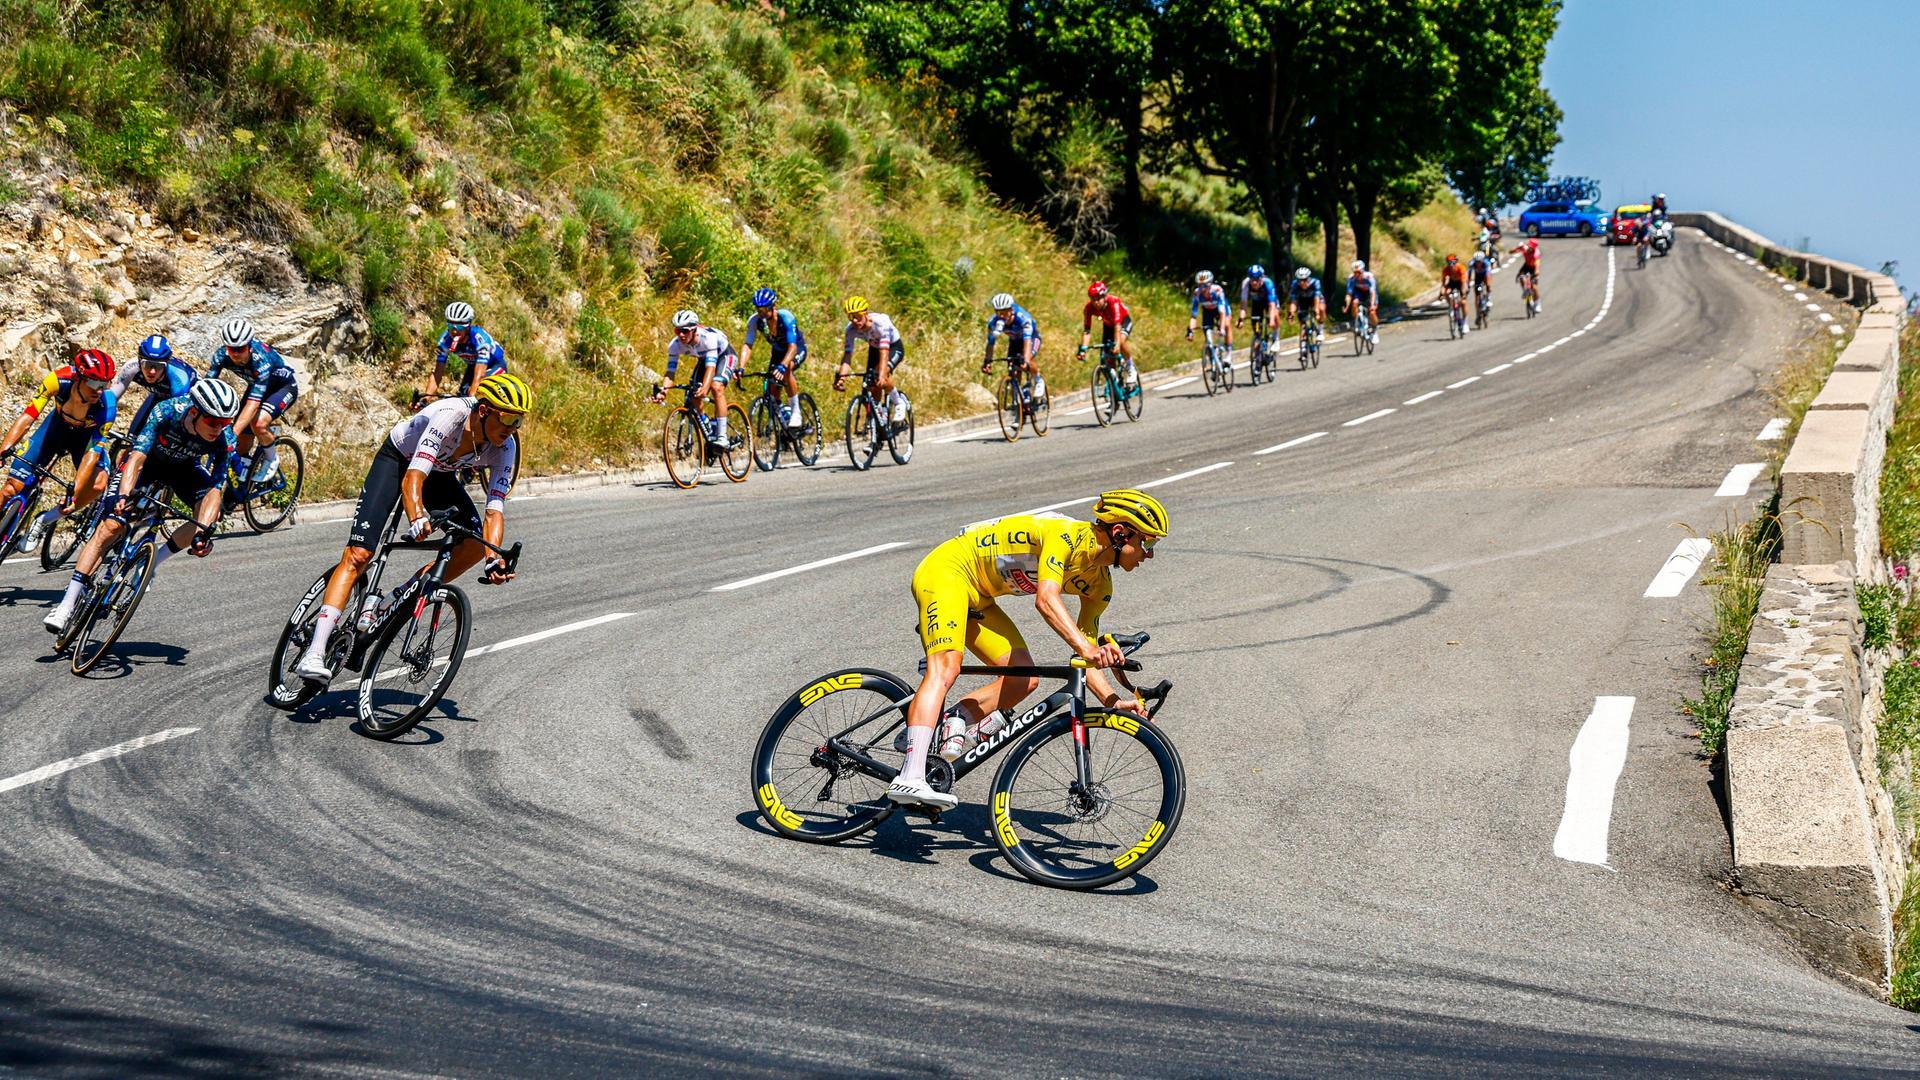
[1739, 479]
[804, 567]
[1593, 768]
[1775, 428]
[1358, 420]
[1680, 567]
[47, 772]
[1290, 443]
[1060, 505]
[1428, 396]
[1185, 475]
[981, 434]
[1180, 382]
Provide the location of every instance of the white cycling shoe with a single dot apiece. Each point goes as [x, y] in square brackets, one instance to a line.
[313, 669]
[56, 620]
[918, 793]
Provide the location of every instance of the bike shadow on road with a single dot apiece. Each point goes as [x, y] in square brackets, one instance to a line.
[340, 705]
[17, 596]
[125, 656]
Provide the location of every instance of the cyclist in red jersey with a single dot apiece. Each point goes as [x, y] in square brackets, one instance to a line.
[1118, 324]
[1529, 250]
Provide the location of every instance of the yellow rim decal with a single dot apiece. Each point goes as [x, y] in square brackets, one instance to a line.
[1154, 832]
[1002, 823]
[1121, 723]
[777, 810]
[829, 686]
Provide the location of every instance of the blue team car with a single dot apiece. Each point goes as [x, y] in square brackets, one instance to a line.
[1563, 219]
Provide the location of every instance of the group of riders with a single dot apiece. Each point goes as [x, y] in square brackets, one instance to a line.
[1210, 310]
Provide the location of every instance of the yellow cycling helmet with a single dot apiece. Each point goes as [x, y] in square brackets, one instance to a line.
[854, 305]
[506, 392]
[1133, 508]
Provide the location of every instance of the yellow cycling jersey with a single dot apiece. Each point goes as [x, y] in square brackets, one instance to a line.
[1015, 554]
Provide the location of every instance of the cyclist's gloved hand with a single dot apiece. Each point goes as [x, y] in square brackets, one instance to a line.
[419, 528]
[495, 572]
[1189, 335]
[202, 543]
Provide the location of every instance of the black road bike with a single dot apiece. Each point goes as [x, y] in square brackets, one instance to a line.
[268, 501]
[1024, 398]
[407, 647]
[105, 607]
[1263, 361]
[1216, 365]
[870, 426]
[1482, 305]
[17, 513]
[1087, 796]
[1309, 343]
[64, 538]
[772, 434]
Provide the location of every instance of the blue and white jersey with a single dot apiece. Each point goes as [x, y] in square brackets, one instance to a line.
[1018, 326]
[168, 435]
[1363, 285]
[1258, 293]
[1212, 298]
[263, 365]
[707, 347]
[472, 344]
[176, 380]
[780, 331]
[1304, 292]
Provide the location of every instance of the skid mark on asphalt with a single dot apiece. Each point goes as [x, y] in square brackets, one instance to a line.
[662, 732]
[1594, 765]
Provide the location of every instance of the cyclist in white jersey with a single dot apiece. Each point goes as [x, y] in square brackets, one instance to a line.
[715, 365]
[885, 351]
[418, 468]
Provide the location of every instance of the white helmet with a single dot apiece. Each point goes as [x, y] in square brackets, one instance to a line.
[1002, 301]
[1302, 273]
[460, 313]
[1204, 277]
[685, 319]
[236, 332]
[215, 398]
[1359, 265]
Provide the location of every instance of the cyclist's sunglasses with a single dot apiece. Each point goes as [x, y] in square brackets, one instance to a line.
[96, 384]
[684, 331]
[510, 421]
[216, 421]
[1146, 543]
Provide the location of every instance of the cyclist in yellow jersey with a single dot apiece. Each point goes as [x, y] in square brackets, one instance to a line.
[1041, 555]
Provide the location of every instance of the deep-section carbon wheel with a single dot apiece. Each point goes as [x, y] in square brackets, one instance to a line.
[409, 669]
[271, 500]
[811, 791]
[863, 434]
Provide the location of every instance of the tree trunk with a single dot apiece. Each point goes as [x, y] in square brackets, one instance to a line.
[1132, 141]
[1330, 234]
[1361, 201]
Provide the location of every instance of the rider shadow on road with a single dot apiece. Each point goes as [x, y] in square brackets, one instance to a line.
[125, 656]
[17, 596]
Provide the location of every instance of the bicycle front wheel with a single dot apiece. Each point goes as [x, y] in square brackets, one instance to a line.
[809, 790]
[413, 662]
[1040, 411]
[14, 522]
[1132, 398]
[1210, 373]
[863, 432]
[1009, 406]
[270, 501]
[288, 691]
[110, 613]
[806, 437]
[1106, 395]
[1059, 833]
[900, 439]
[684, 446]
[765, 418]
[1224, 357]
[737, 459]
[65, 536]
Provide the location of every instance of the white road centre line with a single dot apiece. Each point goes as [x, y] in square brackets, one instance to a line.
[1545, 349]
[1463, 382]
[1739, 479]
[1080, 412]
[1524, 359]
[1291, 443]
[1680, 567]
[1593, 768]
[1813, 307]
[1563, 341]
[1775, 428]
[1496, 369]
[528, 639]
[1824, 317]
[1428, 396]
[1358, 420]
[1185, 475]
[804, 567]
[48, 772]
[1179, 382]
[1060, 505]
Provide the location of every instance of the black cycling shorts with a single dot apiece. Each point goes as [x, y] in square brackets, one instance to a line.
[1125, 327]
[188, 480]
[1209, 318]
[1257, 310]
[380, 495]
[896, 356]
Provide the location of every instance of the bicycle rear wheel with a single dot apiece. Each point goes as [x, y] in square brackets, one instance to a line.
[764, 417]
[271, 501]
[416, 658]
[1008, 404]
[806, 438]
[14, 518]
[863, 432]
[1058, 834]
[1224, 357]
[114, 604]
[900, 439]
[1105, 390]
[809, 791]
[684, 446]
[737, 459]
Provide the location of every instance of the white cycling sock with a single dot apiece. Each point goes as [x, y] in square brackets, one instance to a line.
[73, 591]
[720, 427]
[918, 740]
[323, 625]
[48, 517]
[162, 555]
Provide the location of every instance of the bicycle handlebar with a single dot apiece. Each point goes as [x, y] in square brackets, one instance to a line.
[456, 532]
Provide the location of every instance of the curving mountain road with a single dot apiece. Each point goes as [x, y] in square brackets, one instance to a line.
[1384, 641]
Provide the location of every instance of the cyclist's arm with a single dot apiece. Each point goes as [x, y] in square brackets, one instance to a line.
[1048, 600]
[15, 433]
[413, 485]
[993, 334]
[130, 471]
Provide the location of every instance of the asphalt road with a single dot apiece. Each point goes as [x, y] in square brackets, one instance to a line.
[1384, 641]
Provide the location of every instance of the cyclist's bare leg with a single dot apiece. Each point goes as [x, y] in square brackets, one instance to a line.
[942, 669]
[89, 482]
[244, 425]
[11, 488]
[1004, 693]
[353, 562]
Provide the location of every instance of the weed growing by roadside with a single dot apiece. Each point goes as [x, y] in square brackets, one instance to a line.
[1741, 554]
[1904, 990]
[1900, 477]
[1876, 614]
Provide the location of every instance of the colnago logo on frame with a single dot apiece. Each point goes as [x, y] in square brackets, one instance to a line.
[999, 739]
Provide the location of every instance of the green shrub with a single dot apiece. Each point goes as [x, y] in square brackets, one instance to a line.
[529, 260]
[762, 56]
[52, 75]
[386, 330]
[1900, 718]
[597, 342]
[320, 258]
[707, 252]
[405, 57]
[364, 106]
[284, 84]
[833, 144]
[490, 38]
[1876, 614]
[575, 101]
[137, 146]
[922, 285]
[201, 35]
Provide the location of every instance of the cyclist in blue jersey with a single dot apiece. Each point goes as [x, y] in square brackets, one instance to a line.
[1210, 308]
[1023, 334]
[271, 391]
[784, 340]
[1363, 290]
[167, 453]
[157, 371]
[78, 405]
[1259, 300]
[1306, 297]
[471, 343]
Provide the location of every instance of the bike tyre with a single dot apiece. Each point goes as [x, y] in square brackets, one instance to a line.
[286, 690]
[764, 417]
[1007, 405]
[1132, 401]
[736, 461]
[453, 600]
[1040, 414]
[683, 446]
[863, 435]
[1209, 373]
[1104, 389]
[268, 510]
[14, 518]
[60, 544]
[139, 563]
[903, 429]
[806, 445]
[860, 691]
[1038, 865]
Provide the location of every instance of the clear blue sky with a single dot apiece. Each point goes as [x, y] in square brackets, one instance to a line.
[1797, 120]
